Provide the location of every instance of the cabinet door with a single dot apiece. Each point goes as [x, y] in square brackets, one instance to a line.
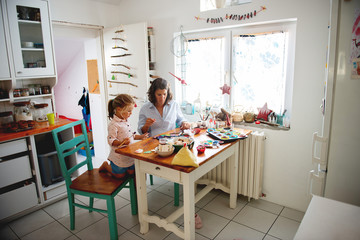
[4, 66]
[127, 73]
[31, 37]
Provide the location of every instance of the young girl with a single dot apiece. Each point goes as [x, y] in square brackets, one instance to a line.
[119, 134]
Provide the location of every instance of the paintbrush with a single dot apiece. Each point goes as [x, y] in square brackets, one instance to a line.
[131, 135]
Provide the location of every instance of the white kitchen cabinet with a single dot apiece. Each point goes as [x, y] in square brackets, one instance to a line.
[15, 170]
[31, 41]
[18, 200]
[4, 66]
[17, 185]
[30, 174]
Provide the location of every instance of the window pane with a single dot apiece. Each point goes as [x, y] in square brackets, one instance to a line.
[204, 70]
[259, 70]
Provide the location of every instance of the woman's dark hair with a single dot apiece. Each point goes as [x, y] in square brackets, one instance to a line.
[122, 101]
[159, 83]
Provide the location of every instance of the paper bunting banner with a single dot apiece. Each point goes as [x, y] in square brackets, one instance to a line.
[236, 17]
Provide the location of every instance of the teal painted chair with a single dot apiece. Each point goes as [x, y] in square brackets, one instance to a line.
[91, 183]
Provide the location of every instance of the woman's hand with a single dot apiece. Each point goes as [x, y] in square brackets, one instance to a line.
[149, 122]
[185, 125]
[142, 137]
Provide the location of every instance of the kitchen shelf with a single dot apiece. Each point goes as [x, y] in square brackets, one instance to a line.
[28, 22]
[32, 96]
[33, 49]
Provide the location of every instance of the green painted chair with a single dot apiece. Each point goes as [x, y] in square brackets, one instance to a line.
[91, 183]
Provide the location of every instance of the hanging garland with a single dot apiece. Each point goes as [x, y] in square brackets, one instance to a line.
[236, 17]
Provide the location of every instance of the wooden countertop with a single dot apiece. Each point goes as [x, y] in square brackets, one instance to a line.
[150, 143]
[40, 127]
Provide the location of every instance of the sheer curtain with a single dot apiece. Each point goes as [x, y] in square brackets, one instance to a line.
[259, 64]
[205, 70]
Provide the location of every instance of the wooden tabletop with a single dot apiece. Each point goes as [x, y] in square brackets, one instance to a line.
[151, 143]
[40, 127]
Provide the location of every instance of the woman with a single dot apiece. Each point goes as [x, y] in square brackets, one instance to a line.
[161, 113]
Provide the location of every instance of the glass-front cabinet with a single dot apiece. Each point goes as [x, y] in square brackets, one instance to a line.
[4, 66]
[29, 26]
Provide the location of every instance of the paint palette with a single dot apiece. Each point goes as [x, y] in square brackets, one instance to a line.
[226, 135]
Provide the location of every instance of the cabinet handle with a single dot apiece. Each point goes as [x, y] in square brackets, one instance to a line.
[19, 72]
[157, 168]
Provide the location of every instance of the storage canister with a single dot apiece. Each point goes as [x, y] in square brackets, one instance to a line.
[6, 117]
[40, 112]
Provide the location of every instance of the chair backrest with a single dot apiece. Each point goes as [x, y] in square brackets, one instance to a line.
[71, 146]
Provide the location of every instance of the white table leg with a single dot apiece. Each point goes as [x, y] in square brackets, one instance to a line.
[141, 197]
[234, 176]
[189, 206]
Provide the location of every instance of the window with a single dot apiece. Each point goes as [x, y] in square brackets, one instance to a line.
[255, 61]
[259, 61]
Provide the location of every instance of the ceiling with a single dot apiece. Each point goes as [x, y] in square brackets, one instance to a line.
[114, 2]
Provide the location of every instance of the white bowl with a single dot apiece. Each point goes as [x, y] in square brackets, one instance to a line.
[164, 154]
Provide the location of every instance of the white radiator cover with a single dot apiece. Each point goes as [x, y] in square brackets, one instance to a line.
[250, 169]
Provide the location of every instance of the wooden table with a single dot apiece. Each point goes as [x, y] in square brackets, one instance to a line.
[151, 163]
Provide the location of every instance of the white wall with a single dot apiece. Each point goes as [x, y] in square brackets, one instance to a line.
[85, 12]
[71, 77]
[288, 153]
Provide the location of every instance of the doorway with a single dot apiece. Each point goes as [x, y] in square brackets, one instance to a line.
[74, 45]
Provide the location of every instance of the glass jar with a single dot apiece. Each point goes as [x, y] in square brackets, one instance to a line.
[25, 92]
[45, 89]
[22, 111]
[17, 93]
[31, 90]
[40, 112]
[37, 89]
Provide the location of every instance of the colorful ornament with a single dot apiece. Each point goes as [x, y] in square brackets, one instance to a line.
[225, 89]
[182, 81]
[264, 112]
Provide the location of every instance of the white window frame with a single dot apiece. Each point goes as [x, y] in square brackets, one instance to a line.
[288, 25]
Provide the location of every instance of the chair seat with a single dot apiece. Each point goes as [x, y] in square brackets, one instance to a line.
[93, 181]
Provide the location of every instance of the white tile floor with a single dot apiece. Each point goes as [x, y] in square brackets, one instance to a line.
[257, 219]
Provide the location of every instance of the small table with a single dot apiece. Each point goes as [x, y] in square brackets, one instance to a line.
[151, 163]
[329, 219]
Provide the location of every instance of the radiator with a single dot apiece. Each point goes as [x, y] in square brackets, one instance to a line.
[250, 169]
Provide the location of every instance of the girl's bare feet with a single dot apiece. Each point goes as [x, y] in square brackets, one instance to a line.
[104, 167]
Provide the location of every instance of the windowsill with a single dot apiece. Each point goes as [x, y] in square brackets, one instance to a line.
[261, 125]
